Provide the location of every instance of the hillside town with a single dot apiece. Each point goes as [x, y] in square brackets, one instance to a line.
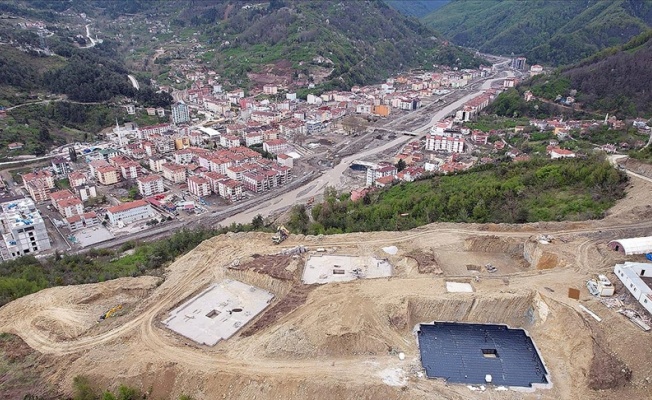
[220, 148]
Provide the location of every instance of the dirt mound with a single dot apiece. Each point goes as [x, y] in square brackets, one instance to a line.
[274, 265]
[541, 256]
[347, 325]
[20, 368]
[427, 262]
[607, 370]
[638, 167]
[291, 301]
[494, 244]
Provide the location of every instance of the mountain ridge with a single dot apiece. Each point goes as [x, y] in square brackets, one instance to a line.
[546, 32]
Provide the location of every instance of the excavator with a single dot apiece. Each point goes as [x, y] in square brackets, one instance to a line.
[281, 234]
[111, 312]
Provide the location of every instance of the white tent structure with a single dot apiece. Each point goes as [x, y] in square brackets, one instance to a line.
[639, 245]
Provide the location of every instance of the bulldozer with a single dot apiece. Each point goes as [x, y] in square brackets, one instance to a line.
[281, 234]
[111, 312]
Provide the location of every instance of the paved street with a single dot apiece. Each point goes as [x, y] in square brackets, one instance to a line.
[333, 177]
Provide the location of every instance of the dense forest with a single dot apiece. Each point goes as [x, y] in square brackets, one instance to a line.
[416, 8]
[537, 190]
[546, 32]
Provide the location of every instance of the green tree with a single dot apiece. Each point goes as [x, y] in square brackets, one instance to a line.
[299, 219]
[257, 222]
[400, 165]
[83, 389]
[108, 396]
[44, 135]
[128, 393]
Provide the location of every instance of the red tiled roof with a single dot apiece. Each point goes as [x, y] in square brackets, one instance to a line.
[127, 206]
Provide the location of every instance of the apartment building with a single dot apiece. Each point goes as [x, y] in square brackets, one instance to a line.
[22, 228]
[150, 185]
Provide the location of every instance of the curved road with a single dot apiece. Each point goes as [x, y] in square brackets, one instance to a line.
[134, 82]
[333, 176]
[88, 35]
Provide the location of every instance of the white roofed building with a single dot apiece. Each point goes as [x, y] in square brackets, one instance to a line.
[631, 246]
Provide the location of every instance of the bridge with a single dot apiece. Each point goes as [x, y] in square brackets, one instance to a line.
[366, 164]
[397, 132]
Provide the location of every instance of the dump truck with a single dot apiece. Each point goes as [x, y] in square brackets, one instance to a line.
[281, 234]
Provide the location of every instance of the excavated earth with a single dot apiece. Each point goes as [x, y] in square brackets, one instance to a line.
[341, 340]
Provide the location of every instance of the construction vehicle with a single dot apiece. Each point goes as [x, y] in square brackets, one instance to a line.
[112, 311]
[281, 234]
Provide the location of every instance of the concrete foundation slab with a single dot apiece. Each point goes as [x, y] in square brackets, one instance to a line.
[341, 268]
[218, 312]
[90, 236]
[459, 287]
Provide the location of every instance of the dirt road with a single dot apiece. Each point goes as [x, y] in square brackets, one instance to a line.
[341, 327]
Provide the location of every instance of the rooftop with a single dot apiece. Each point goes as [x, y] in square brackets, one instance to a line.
[468, 353]
[127, 206]
[149, 178]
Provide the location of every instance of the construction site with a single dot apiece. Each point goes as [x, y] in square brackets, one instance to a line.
[241, 317]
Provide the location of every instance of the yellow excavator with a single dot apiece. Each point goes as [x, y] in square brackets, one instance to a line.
[281, 234]
[112, 311]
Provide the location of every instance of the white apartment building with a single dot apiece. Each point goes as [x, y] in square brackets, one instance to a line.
[229, 141]
[156, 164]
[174, 172]
[69, 207]
[451, 144]
[127, 213]
[180, 113]
[22, 228]
[199, 186]
[380, 171]
[150, 185]
[230, 189]
[276, 146]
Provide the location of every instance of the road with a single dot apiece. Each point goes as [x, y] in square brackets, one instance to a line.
[333, 177]
[613, 159]
[47, 101]
[29, 160]
[134, 82]
[88, 35]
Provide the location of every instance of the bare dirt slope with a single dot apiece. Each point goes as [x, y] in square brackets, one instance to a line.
[341, 340]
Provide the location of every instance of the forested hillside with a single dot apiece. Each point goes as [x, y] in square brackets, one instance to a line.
[93, 74]
[546, 32]
[416, 8]
[615, 81]
[358, 41]
[537, 190]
